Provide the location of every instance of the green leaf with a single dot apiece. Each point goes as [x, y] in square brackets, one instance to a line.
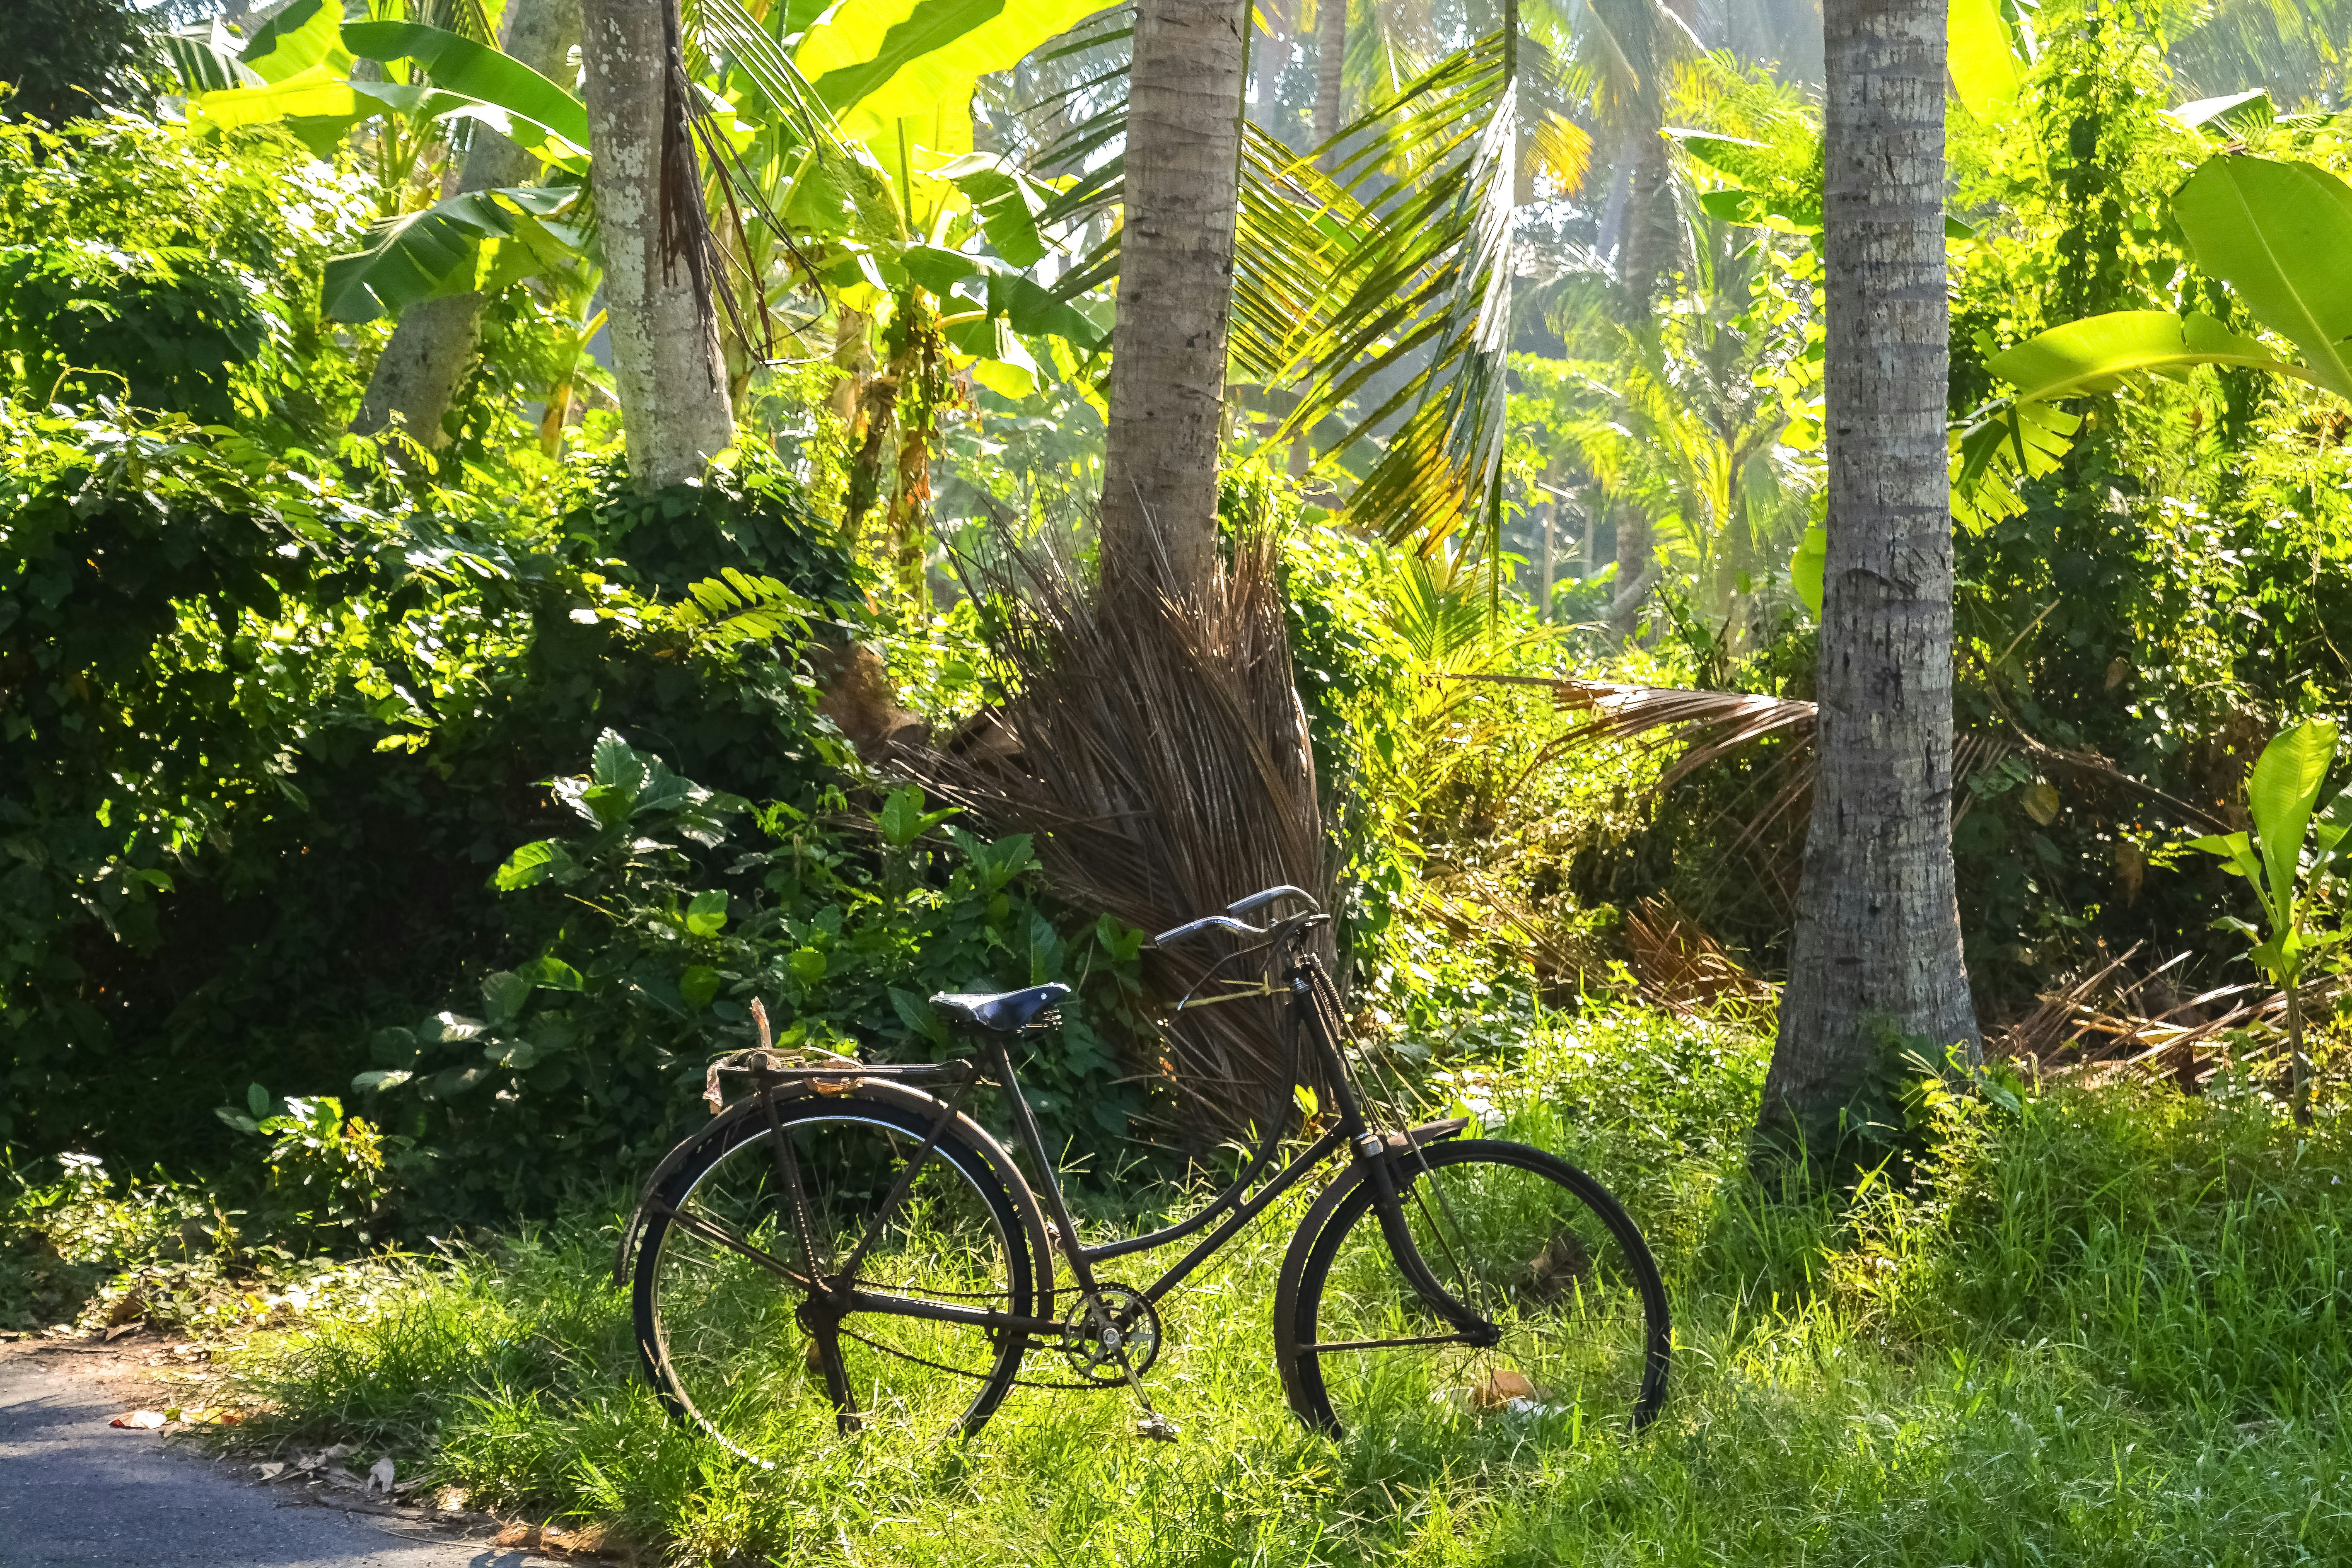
[874, 61]
[206, 59]
[434, 253]
[919, 1015]
[2096, 353]
[306, 34]
[617, 766]
[1032, 308]
[2280, 797]
[505, 993]
[550, 973]
[1000, 362]
[532, 864]
[698, 985]
[1981, 56]
[1005, 201]
[1807, 563]
[461, 65]
[321, 91]
[457, 1081]
[2230, 113]
[381, 1077]
[2237, 849]
[938, 269]
[519, 1054]
[903, 819]
[451, 1028]
[258, 1098]
[706, 915]
[2280, 235]
[807, 965]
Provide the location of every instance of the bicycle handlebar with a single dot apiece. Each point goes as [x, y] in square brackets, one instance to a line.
[1238, 906]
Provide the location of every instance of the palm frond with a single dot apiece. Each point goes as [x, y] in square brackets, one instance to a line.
[1425, 281]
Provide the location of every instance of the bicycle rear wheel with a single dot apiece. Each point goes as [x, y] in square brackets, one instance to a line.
[1535, 1246]
[724, 1318]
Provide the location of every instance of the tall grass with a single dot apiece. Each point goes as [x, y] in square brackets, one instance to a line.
[2104, 1328]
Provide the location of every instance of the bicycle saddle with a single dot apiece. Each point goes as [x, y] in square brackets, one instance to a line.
[1005, 1011]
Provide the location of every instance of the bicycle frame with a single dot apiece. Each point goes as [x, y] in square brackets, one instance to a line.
[1310, 996]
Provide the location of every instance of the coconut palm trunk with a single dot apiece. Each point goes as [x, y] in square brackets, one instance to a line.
[420, 370]
[1175, 285]
[1875, 956]
[666, 364]
[1330, 62]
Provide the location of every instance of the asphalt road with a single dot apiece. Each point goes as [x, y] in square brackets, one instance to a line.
[77, 1493]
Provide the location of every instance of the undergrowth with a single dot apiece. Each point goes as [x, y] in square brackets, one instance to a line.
[2103, 1326]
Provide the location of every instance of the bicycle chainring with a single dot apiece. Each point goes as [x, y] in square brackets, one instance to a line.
[1132, 1319]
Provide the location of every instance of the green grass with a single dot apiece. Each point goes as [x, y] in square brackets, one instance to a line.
[2106, 1329]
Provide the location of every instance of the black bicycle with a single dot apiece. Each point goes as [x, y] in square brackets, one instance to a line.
[843, 1246]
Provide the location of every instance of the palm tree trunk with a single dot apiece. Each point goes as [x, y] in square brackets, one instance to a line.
[1649, 243]
[1875, 957]
[1637, 571]
[1330, 61]
[666, 364]
[1175, 285]
[420, 370]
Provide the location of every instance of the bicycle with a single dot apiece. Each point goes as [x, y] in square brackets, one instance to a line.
[846, 1242]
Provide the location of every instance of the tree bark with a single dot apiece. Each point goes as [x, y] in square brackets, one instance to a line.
[666, 364]
[1876, 955]
[1175, 287]
[420, 370]
[1649, 242]
[1637, 573]
[1330, 62]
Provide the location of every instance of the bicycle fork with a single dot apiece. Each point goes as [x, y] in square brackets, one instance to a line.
[1381, 1163]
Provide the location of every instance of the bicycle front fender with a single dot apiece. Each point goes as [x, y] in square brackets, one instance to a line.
[890, 1091]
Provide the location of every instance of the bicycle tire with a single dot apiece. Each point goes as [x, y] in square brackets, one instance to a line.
[721, 1338]
[1534, 1244]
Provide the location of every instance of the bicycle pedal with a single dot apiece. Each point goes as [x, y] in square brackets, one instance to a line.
[1157, 1427]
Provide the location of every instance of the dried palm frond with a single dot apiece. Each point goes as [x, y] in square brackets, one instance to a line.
[1705, 726]
[1687, 972]
[1161, 763]
[1477, 910]
[2109, 1021]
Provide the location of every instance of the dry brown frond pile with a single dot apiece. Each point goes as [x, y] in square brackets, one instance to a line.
[1687, 972]
[1156, 751]
[2112, 1019]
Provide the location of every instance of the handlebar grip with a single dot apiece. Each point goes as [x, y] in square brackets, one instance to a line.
[1259, 901]
[1207, 923]
[1239, 907]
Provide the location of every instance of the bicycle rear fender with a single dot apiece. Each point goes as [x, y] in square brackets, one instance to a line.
[887, 1091]
[1318, 1214]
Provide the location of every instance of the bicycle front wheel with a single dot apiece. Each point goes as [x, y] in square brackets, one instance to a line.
[1531, 1244]
[736, 1339]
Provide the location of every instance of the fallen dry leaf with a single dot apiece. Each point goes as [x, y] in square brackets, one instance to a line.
[522, 1535]
[119, 1330]
[271, 1470]
[146, 1420]
[380, 1478]
[1501, 1388]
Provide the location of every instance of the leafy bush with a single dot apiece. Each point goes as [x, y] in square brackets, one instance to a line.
[663, 925]
[179, 275]
[272, 722]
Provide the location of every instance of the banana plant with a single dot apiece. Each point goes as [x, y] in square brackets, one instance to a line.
[2278, 233]
[2297, 844]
